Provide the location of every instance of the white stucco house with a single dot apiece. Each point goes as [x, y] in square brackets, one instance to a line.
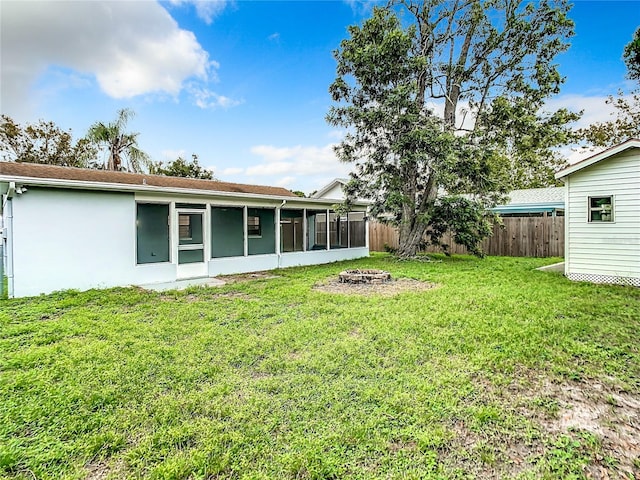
[71, 228]
[602, 216]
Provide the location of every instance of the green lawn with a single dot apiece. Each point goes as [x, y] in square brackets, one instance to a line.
[501, 371]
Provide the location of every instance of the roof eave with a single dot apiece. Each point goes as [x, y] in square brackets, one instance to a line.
[120, 187]
[587, 162]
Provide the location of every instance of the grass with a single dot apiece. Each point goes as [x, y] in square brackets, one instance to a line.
[272, 379]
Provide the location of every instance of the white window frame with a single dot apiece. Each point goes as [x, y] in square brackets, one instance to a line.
[591, 209]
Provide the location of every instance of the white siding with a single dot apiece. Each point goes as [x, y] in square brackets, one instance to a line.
[605, 248]
[336, 192]
[71, 239]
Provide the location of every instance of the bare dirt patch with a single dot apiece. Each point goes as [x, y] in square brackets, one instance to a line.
[613, 416]
[390, 288]
[207, 296]
[246, 277]
[555, 410]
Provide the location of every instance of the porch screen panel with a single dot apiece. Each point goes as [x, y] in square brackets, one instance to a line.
[338, 233]
[152, 233]
[265, 242]
[227, 232]
[316, 230]
[357, 230]
[291, 231]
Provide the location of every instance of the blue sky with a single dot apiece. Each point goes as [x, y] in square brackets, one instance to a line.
[242, 84]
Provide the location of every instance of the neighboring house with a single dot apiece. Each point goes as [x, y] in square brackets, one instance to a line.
[533, 202]
[602, 229]
[71, 228]
[333, 190]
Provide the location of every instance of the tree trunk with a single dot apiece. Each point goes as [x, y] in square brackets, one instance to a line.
[410, 239]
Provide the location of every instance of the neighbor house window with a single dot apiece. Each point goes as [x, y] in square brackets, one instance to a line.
[253, 226]
[601, 209]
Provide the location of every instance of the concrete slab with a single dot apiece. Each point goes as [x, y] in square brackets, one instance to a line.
[556, 267]
[182, 284]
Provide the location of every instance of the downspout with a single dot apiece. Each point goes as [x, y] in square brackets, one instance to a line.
[278, 234]
[6, 255]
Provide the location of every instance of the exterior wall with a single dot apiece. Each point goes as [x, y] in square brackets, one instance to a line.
[66, 239]
[316, 257]
[254, 263]
[76, 239]
[605, 251]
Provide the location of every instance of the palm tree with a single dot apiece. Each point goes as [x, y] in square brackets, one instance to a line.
[121, 145]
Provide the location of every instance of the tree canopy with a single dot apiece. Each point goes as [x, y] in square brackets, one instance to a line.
[631, 56]
[122, 147]
[626, 121]
[446, 114]
[43, 142]
[182, 168]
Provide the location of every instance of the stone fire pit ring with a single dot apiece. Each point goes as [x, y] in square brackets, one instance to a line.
[360, 276]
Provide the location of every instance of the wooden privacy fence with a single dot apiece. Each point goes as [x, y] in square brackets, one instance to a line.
[518, 237]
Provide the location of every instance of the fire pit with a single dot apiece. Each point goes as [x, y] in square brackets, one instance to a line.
[364, 276]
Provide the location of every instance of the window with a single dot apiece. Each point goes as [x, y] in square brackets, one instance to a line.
[601, 209]
[190, 229]
[261, 231]
[184, 227]
[253, 226]
[152, 233]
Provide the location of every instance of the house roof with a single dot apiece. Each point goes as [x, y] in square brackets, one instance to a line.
[537, 195]
[533, 200]
[30, 172]
[598, 157]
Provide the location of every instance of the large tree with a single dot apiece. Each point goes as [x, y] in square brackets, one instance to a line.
[631, 56]
[182, 168]
[122, 147]
[626, 121]
[447, 113]
[43, 142]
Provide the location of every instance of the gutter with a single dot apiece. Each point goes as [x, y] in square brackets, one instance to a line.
[6, 238]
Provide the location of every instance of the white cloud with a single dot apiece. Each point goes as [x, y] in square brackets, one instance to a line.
[130, 48]
[299, 167]
[207, 10]
[274, 37]
[362, 7]
[595, 107]
[285, 181]
[231, 171]
[337, 134]
[171, 155]
[299, 160]
[205, 98]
